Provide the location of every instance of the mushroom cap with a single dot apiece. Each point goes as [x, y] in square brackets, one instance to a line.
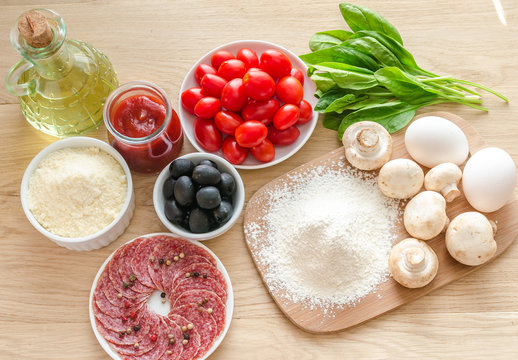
[470, 238]
[444, 178]
[400, 178]
[413, 263]
[425, 215]
[368, 145]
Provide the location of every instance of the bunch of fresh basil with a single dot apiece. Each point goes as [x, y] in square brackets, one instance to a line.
[367, 74]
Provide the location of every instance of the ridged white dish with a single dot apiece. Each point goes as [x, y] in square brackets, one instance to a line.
[281, 152]
[102, 237]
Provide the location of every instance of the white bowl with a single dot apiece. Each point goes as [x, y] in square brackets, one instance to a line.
[281, 152]
[229, 305]
[239, 197]
[102, 237]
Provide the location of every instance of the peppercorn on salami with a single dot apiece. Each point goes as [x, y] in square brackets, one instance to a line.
[183, 274]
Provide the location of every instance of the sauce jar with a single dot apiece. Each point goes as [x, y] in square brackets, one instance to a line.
[143, 126]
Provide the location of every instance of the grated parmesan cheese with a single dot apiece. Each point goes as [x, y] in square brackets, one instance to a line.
[76, 192]
[327, 238]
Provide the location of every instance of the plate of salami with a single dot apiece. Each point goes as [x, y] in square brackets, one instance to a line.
[161, 297]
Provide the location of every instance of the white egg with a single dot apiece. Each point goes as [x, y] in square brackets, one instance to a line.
[433, 140]
[489, 179]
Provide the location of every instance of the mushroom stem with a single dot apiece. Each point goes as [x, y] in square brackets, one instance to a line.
[368, 140]
[414, 259]
[450, 192]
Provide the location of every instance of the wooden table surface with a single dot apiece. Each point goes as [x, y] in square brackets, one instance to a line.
[44, 288]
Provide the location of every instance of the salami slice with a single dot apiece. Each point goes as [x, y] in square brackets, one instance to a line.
[113, 272]
[141, 259]
[190, 349]
[160, 252]
[147, 344]
[106, 287]
[125, 270]
[175, 335]
[208, 300]
[203, 323]
[172, 273]
[116, 311]
[130, 336]
[201, 270]
[199, 283]
[116, 324]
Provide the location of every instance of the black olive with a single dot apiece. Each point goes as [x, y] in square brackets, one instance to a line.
[227, 185]
[208, 162]
[199, 221]
[181, 167]
[223, 212]
[206, 175]
[184, 191]
[208, 197]
[173, 212]
[168, 188]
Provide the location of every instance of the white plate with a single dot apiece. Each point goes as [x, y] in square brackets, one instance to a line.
[229, 304]
[281, 152]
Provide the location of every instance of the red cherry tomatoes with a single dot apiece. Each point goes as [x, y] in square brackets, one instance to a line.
[286, 116]
[207, 107]
[190, 97]
[206, 134]
[275, 63]
[251, 133]
[298, 74]
[259, 85]
[249, 57]
[202, 70]
[232, 69]
[289, 90]
[213, 85]
[233, 96]
[262, 111]
[263, 152]
[283, 137]
[219, 56]
[227, 122]
[234, 153]
[306, 112]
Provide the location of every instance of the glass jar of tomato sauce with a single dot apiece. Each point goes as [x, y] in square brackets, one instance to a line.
[143, 126]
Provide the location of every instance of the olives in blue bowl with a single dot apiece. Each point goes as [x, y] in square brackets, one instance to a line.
[199, 196]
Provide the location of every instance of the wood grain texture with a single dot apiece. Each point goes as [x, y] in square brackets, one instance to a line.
[44, 288]
[388, 295]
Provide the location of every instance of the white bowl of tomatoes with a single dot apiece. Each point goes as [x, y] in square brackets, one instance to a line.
[250, 102]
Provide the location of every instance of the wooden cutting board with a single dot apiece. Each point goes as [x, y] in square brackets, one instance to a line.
[389, 294]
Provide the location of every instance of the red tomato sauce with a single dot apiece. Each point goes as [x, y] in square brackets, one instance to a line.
[138, 116]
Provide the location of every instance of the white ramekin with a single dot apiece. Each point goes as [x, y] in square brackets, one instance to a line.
[102, 237]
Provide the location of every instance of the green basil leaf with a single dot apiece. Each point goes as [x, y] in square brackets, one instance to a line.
[349, 79]
[325, 39]
[341, 54]
[328, 98]
[323, 81]
[393, 116]
[404, 86]
[360, 18]
[332, 121]
[372, 47]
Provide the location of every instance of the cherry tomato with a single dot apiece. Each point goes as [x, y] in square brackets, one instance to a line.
[260, 110]
[190, 97]
[298, 74]
[254, 69]
[207, 107]
[259, 85]
[227, 122]
[306, 112]
[232, 69]
[202, 70]
[283, 137]
[207, 134]
[289, 90]
[213, 85]
[233, 96]
[275, 63]
[251, 133]
[219, 56]
[231, 150]
[286, 116]
[264, 152]
[249, 57]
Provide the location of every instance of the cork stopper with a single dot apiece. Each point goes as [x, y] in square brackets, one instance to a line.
[35, 29]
